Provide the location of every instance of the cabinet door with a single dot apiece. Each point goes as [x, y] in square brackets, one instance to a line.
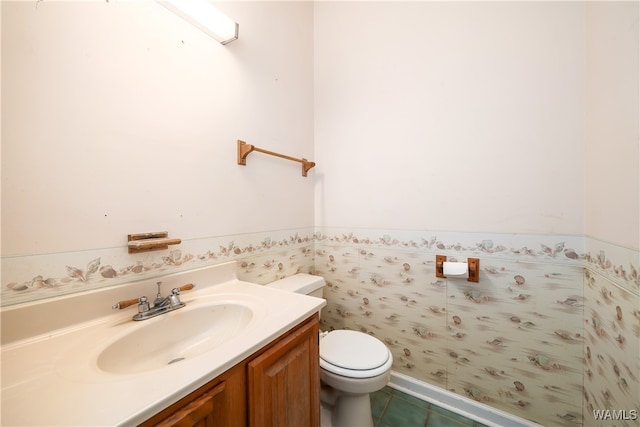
[220, 403]
[284, 381]
[201, 412]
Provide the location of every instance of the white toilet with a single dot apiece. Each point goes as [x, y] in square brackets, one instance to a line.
[352, 364]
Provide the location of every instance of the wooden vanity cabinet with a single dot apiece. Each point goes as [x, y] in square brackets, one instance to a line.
[279, 386]
[284, 381]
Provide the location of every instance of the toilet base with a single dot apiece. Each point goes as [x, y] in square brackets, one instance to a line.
[350, 397]
[326, 411]
[352, 410]
[341, 409]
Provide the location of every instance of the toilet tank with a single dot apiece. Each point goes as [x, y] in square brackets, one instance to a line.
[301, 283]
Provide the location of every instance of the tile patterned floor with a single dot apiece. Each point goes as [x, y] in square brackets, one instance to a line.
[392, 408]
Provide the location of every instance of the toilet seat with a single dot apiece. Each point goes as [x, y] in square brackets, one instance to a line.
[354, 354]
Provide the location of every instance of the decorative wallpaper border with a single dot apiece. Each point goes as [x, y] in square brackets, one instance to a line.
[619, 264]
[556, 248]
[38, 277]
[35, 277]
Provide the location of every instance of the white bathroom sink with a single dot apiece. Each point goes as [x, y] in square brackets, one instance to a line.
[175, 337]
[118, 369]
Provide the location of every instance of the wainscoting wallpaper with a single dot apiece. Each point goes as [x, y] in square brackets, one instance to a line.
[551, 333]
[514, 341]
[611, 354]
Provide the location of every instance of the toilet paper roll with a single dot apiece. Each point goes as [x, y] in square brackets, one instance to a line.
[457, 269]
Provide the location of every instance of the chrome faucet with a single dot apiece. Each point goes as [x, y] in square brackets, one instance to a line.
[160, 305]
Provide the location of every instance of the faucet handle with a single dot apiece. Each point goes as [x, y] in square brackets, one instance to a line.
[124, 304]
[175, 294]
[128, 303]
[186, 287]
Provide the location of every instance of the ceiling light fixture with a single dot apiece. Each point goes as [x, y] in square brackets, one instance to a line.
[202, 14]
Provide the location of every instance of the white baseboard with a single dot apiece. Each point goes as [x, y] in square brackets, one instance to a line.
[459, 404]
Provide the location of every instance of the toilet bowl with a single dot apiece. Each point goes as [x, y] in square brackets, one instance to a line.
[352, 364]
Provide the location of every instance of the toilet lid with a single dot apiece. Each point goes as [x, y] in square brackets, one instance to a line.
[353, 350]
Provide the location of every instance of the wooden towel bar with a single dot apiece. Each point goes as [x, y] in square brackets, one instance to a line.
[244, 149]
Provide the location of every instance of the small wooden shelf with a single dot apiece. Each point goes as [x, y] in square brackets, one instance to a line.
[145, 242]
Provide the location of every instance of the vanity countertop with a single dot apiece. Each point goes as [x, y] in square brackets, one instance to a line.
[54, 379]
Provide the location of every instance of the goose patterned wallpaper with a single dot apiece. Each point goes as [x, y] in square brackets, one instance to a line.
[551, 333]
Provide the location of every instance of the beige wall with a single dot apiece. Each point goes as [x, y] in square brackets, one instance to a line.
[450, 115]
[119, 117]
[612, 177]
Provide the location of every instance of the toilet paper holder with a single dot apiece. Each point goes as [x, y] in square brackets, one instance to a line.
[473, 268]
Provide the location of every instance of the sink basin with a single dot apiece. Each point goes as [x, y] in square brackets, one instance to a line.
[174, 337]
